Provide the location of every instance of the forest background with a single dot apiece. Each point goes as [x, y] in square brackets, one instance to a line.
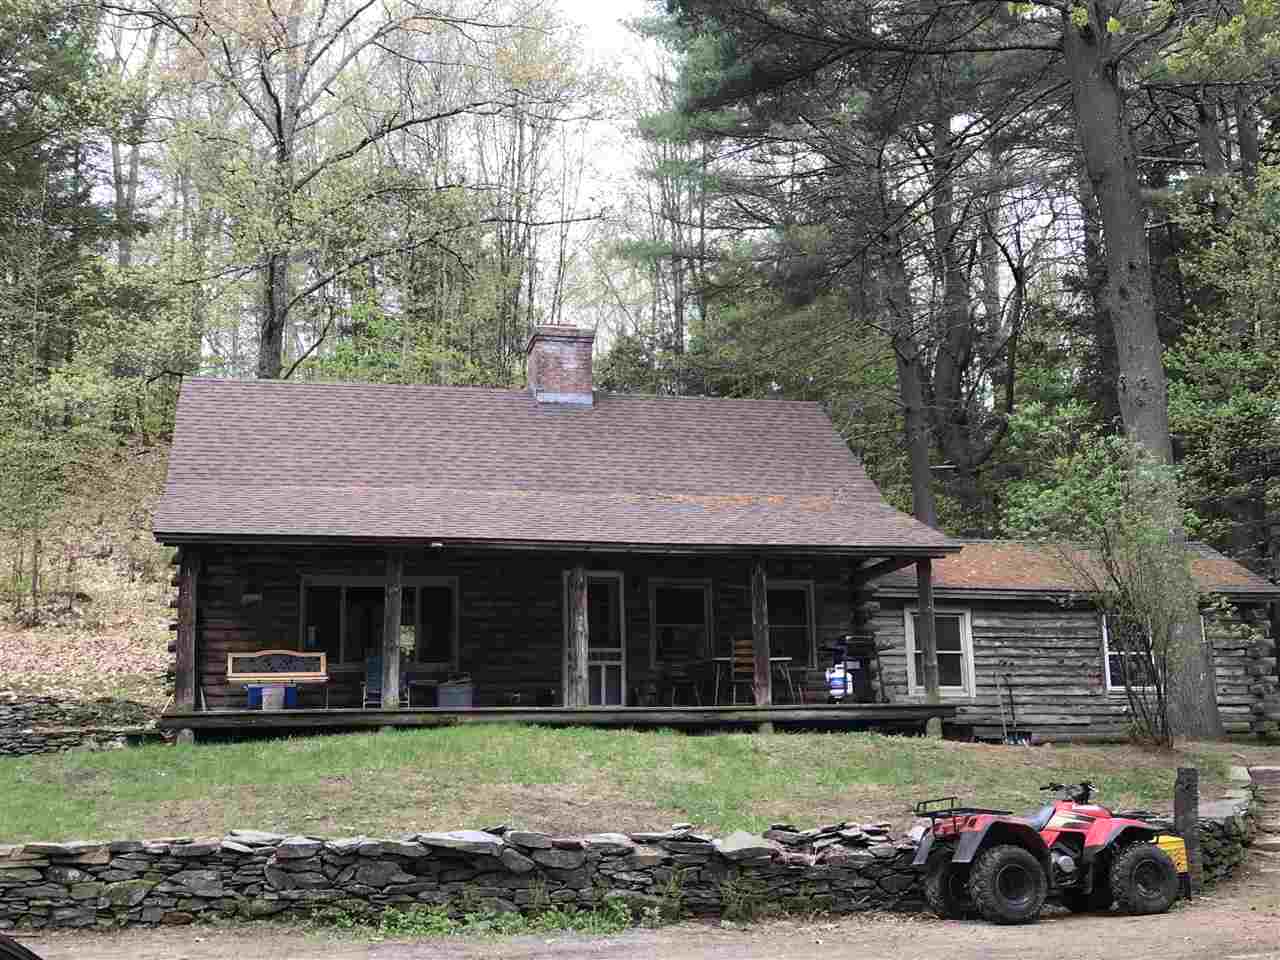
[1015, 248]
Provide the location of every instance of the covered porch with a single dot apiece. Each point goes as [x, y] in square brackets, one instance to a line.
[423, 634]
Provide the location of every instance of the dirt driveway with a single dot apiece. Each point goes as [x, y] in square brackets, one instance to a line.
[1240, 921]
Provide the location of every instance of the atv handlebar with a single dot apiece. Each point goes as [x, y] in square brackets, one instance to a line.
[1079, 792]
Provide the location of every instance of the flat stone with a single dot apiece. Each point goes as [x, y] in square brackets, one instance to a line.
[682, 826]
[73, 917]
[568, 843]
[234, 846]
[42, 891]
[381, 873]
[15, 874]
[741, 845]
[346, 846]
[196, 883]
[788, 837]
[1267, 844]
[298, 848]
[255, 838]
[528, 839]
[87, 891]
[127, 893]
[515, 861]
[653, 837]
[201, 848]
[882, 851]
[644, 857]
[560, 859]
[466, 841]
[405, 848]
[686, 846]
[125, 846]
[265, 908]
[609, 844]
[175, 918]
[71, 848]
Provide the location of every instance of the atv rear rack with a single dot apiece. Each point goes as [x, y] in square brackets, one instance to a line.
[934, 810]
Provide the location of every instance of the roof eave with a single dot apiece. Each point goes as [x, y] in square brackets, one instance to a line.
[178, 539]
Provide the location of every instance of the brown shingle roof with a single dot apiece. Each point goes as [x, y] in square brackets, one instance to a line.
[1012, 566]
[274, 460]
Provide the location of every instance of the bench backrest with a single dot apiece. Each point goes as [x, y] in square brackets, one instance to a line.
[281, 666]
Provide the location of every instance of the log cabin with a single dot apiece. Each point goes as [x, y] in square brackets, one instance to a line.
[555, 551]
[1021, 648]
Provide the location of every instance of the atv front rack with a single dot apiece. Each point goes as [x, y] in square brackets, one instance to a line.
[934, 809]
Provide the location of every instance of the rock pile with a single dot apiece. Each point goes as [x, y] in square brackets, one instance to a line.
[30, 725]
[254, 874]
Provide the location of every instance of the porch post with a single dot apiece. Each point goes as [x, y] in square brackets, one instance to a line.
[577, 692]
[762, 678]
[927, 640]
[391, 631]
[186, 666]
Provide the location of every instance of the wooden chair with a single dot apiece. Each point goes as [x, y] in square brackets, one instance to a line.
[742, 669]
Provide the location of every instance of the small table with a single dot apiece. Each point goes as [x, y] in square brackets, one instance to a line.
[778, 663]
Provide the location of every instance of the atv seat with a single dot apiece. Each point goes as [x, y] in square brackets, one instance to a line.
[1038, 818]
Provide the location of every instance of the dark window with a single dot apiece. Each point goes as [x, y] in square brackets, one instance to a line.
[680, 621]
[1129, 656]
[435, 642]
[364, 622]
[323, 631]
[950, 644]
[789, 623]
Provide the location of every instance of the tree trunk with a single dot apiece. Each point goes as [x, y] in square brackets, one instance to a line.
[1247, 132]
[915, 418]
[1102, 386]
[926, 635]
[762, 679]
[391, 631]
[1112, 167]
[577, 691]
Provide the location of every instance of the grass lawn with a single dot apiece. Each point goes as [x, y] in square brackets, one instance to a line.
[558, 780]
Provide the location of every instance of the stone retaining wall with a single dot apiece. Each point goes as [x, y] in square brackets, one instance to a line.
[30, 725]
[841, 868]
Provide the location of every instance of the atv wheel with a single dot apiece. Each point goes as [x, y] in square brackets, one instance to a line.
[946, 888]
[13, 950]
[1008, 885]
[1144, 879]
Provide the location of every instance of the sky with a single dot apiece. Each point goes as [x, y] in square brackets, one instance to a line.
[604, 33]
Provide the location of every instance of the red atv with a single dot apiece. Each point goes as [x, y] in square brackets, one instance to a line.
[1003, 867]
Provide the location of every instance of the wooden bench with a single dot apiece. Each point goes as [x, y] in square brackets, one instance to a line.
[279, 667]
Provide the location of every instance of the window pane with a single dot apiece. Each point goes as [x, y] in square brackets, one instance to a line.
[946, 632]
[364, 622]
[680, 643]
[790, 642]
[950, 670]
[788, 606]
[919, 668]
[435, 645]
[679, 605]
[322, 631]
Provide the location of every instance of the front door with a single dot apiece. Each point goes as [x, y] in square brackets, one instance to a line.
[606, 640]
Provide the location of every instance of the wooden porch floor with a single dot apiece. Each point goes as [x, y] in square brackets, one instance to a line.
[896, 716]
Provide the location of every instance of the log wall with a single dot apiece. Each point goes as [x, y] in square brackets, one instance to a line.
[1053, 656]
[511, 606]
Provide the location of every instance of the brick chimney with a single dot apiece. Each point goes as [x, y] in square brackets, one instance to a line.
[559, 365]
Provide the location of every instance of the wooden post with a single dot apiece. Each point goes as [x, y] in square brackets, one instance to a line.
[1186, 821]
[577, 692]
[927, 640]
[185, 667]
[762, 676]
[391, 631]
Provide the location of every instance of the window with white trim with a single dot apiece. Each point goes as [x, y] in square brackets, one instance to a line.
[680, 620]
[1127, 653]
[953, 634]
[343, 616]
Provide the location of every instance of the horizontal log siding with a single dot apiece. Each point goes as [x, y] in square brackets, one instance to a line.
[510, 606]
[1053, 656]
[1231, 657]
